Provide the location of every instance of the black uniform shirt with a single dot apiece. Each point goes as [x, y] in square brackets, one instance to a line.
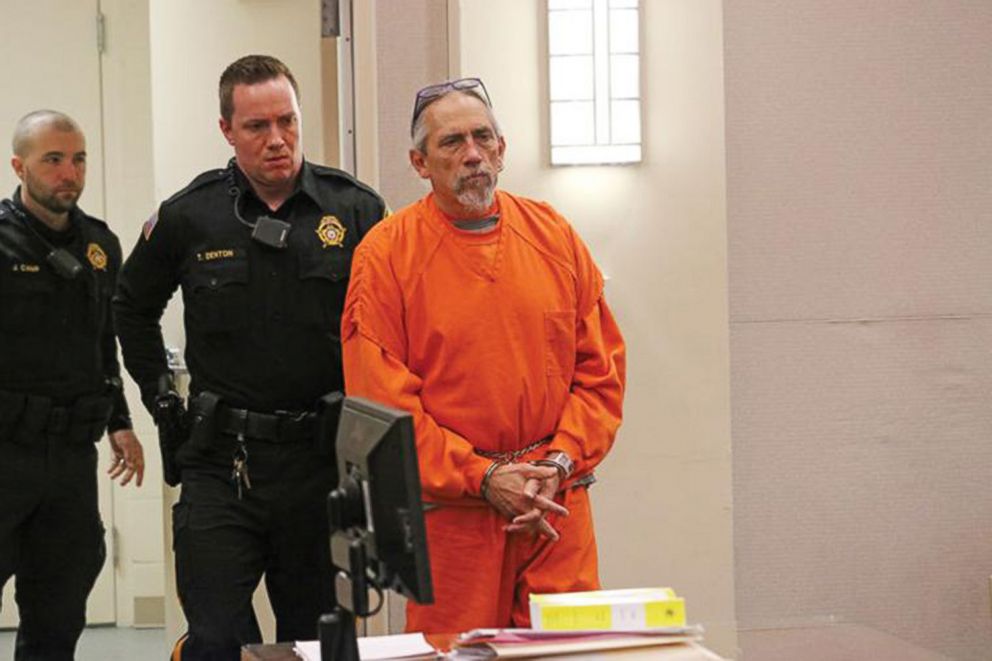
[56, 335]
[262, 324]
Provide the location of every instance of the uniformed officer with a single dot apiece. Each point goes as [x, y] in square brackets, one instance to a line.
[262, 251]
[60, 386]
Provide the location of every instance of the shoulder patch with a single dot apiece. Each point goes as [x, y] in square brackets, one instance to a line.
[149, 226]
[203, 179]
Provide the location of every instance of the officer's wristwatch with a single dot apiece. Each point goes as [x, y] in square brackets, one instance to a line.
[559, 460]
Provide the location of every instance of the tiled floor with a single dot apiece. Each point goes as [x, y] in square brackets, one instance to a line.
[106, 644]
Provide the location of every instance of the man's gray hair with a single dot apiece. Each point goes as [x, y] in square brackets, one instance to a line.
[28, 125]
[420, 128]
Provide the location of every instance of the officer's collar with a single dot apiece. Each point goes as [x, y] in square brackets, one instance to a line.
[25, 215]
[306, 182]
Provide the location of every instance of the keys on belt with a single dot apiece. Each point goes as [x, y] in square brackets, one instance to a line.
[278, 427]
[239, 474]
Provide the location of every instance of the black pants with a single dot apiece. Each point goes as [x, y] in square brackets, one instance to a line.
[224, 545]
[51, 541]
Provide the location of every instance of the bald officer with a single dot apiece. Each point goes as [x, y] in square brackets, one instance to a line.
[60, 386]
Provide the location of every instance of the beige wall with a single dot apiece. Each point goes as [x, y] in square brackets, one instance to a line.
[859, 145]
[125, 70]
[663, 506]
[366, 96]
[191, 43]
[401, 70]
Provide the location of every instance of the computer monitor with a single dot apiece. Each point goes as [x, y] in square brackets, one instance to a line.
[375, 514]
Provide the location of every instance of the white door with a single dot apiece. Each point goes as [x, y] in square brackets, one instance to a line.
[51, 59]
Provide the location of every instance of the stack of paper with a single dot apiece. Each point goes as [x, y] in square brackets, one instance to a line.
[410, 646]
[608, 610]
[519, 643]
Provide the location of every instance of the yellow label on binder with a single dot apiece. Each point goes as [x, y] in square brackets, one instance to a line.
[576, 617]
[608, 610]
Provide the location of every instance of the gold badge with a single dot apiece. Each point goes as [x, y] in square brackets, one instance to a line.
[97, 257]
[330, 231]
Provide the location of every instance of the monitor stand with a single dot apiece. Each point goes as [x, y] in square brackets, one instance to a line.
[338, 640]
[337, 636]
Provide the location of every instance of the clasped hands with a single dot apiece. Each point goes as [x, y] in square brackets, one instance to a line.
[524, 494]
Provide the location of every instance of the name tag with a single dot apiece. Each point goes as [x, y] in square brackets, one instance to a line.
[211, 255]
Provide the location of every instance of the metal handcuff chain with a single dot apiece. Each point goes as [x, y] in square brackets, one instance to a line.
[511, 457]
[502, 459]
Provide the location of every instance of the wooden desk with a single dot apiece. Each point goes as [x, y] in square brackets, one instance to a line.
[686, 652]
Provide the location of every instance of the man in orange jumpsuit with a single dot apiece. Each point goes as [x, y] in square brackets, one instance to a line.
[482, 313]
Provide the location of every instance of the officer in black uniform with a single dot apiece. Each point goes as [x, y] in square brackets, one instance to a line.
[60, 386]
[262, 251]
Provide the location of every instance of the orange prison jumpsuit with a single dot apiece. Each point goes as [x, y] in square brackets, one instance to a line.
[492, 341]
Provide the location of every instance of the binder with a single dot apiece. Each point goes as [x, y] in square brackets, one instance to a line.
[635, 609]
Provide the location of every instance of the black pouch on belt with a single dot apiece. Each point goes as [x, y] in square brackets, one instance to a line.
[203, 420]
[326, 429]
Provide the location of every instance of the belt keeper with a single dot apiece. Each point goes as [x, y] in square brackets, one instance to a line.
[240, 418]
[484, 487]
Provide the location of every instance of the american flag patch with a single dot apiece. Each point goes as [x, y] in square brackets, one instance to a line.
[149, 225]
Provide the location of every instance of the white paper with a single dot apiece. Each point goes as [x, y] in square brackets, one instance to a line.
[308, 650]
[375, 648]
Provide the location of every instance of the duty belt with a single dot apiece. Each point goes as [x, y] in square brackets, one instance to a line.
[278, 427]
[85, 416]
[511, 456]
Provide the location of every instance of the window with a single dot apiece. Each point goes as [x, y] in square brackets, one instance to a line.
[594, 81]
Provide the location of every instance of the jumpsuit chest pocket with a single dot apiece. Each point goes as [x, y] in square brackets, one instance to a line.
[218, 299]
[323, 282]
[28, 301]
